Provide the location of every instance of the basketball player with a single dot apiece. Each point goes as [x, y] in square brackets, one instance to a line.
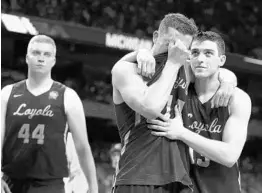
[215, 136]
[149, 163]
[36, 114]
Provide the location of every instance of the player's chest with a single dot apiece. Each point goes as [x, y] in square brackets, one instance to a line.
[33, 108]
[209, 123]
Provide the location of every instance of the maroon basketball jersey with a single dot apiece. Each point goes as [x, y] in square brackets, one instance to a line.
[36, 131]
[147, 159]
[210, 176]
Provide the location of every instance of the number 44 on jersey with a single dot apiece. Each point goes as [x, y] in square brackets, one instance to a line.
[38, 133]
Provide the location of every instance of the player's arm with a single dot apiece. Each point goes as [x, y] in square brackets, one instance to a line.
[145, 61]
[77, 124]
[148, 100]
[130, 57]
[146, 67]
[228, 83]
[227, 151]
[5, 94]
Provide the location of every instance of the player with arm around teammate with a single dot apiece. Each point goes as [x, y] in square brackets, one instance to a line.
[148, 163]
[36, 114]
[215, 136]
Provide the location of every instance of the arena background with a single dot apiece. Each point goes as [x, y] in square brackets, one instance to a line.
[92, 35]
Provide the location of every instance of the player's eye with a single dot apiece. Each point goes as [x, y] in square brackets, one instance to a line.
[35, 52]
[47, 54]
[194, 53]
[208, 53]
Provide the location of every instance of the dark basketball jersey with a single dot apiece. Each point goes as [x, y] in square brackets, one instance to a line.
[210, 176]
[36, 131]
[147, 159]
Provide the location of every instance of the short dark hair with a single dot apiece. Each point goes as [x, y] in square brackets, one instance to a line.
[214, 37]
[179, 22]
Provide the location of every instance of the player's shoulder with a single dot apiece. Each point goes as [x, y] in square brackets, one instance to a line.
[59, 85]
[6, 90]
[70, 93]
[122, 68]
[9, 87]
[71, 100]
[240, 99]
[239, 94]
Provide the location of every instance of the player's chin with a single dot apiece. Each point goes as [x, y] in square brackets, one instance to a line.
[200, 74]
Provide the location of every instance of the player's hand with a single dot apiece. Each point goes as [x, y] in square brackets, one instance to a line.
[145, 63]
[4, 187]
[178, 54]
[170, 128]
[223, 95]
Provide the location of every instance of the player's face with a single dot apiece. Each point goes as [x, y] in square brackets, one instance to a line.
[162, 40]
[41, 57]
[205, 58]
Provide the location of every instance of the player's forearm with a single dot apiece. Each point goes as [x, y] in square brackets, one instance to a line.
[217, 151]
[157, 94]
[130, 57]
[88, 166]
[190, 77]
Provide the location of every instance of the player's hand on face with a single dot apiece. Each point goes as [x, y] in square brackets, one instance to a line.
[4, 187]
[223, 95]
[145, 63]
[178, 53]
[170, 128]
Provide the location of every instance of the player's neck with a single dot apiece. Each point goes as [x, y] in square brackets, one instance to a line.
[206, 86]
[38, 80]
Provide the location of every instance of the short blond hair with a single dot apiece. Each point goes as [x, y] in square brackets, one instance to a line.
[179, 22]
[41, 39]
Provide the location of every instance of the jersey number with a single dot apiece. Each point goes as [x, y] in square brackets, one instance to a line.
[38, 133]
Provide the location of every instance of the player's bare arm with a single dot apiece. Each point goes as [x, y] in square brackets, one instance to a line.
[146, 67]
[225, 152]
[5, 94]
[148, 101]
[228, 83]
[145, 61]
[77, 124]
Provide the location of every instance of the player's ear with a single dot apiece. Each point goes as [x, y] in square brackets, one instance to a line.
[54, 61]
[26, 58]
[155, 36]
[222, 59]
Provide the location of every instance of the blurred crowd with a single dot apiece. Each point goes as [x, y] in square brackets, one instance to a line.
[239, 21]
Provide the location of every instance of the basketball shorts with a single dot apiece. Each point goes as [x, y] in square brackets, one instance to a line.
[35, 186]
[167, 188]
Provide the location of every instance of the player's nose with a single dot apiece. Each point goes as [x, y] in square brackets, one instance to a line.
[201, 58]
[41, 61]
